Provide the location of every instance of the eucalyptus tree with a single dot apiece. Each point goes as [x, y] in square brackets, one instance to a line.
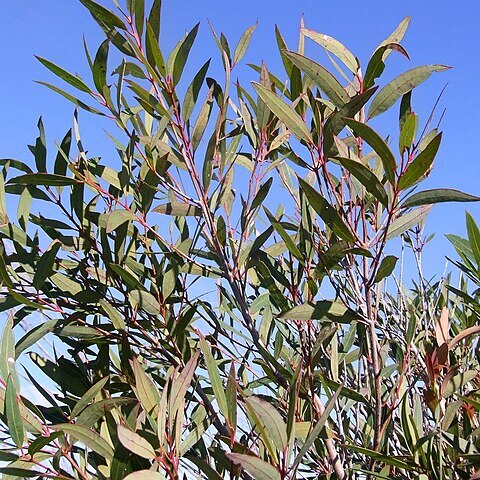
[221, 296]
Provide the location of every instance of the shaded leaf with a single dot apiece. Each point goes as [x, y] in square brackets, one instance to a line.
[254, 466]
[135, 443]
[386, 267]
[179, 209]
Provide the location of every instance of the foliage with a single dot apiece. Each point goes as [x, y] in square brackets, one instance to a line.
[222, 297]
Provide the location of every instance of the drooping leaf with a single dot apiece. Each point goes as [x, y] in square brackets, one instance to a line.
[100, 67]
[102, 15]
[438, 195]
[68, 77]
[405, 82]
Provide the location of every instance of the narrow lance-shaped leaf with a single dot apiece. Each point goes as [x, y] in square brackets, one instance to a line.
[178, 209]
[145, 389]
[88, 437]
[12, 412]
[272, 421]
[135, 443]
[405, 82]
[178, 58]
[407, 221]
[45, 179]
[396, 36]
[366, 177]
[329, 85]
[292, 248]
[420, 165]
[328, 214]
[45, 265]
[473, 237]
[243, 44]
[68, 77]
[100, 67]
[254, 466]
[438, 195]
[215, 379]
[181, 384]
[284, 113]
[378, 144]
[333, 46]
[102, 15]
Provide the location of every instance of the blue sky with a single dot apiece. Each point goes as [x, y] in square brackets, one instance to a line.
[440, 32]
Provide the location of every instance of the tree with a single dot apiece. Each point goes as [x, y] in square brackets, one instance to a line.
[203, 328]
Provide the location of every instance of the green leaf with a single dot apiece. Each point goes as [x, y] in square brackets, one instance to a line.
[420, 165]
[12, 412]
[215, 379]
[259, 469]
[407, 221]
[317, 429]
[408, 131]
[34, 335]
[328, 214]
[99, 69]
[261, 194]
[113, 314]
[71, 79]
[366, 177]
[285, 236]
[191, 95]
[88, 397]
[178, 58]
[323, 309]
[329, 85]
[145, 301]
[387, 459]
[243, 44]
[144, 475]
[45, 266]
[378, 144]
[179, 209]
[7, 352]
[88, 437]
[45, 179]
[473, 237]
[117, 218]
[272, 422]
[333, 46]
[405, 82]
[102, 15]
[4, 275]
[438, 195]
[376, 65]
[386, 267]
[181, 384]
[202, 120]
[135, 443]
[71, 98]
[284, 113]
[396, 36]
[145, 389]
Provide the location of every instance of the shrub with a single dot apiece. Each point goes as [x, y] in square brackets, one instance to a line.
[221, 297]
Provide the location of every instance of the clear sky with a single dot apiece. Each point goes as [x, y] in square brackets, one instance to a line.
[441, 32]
